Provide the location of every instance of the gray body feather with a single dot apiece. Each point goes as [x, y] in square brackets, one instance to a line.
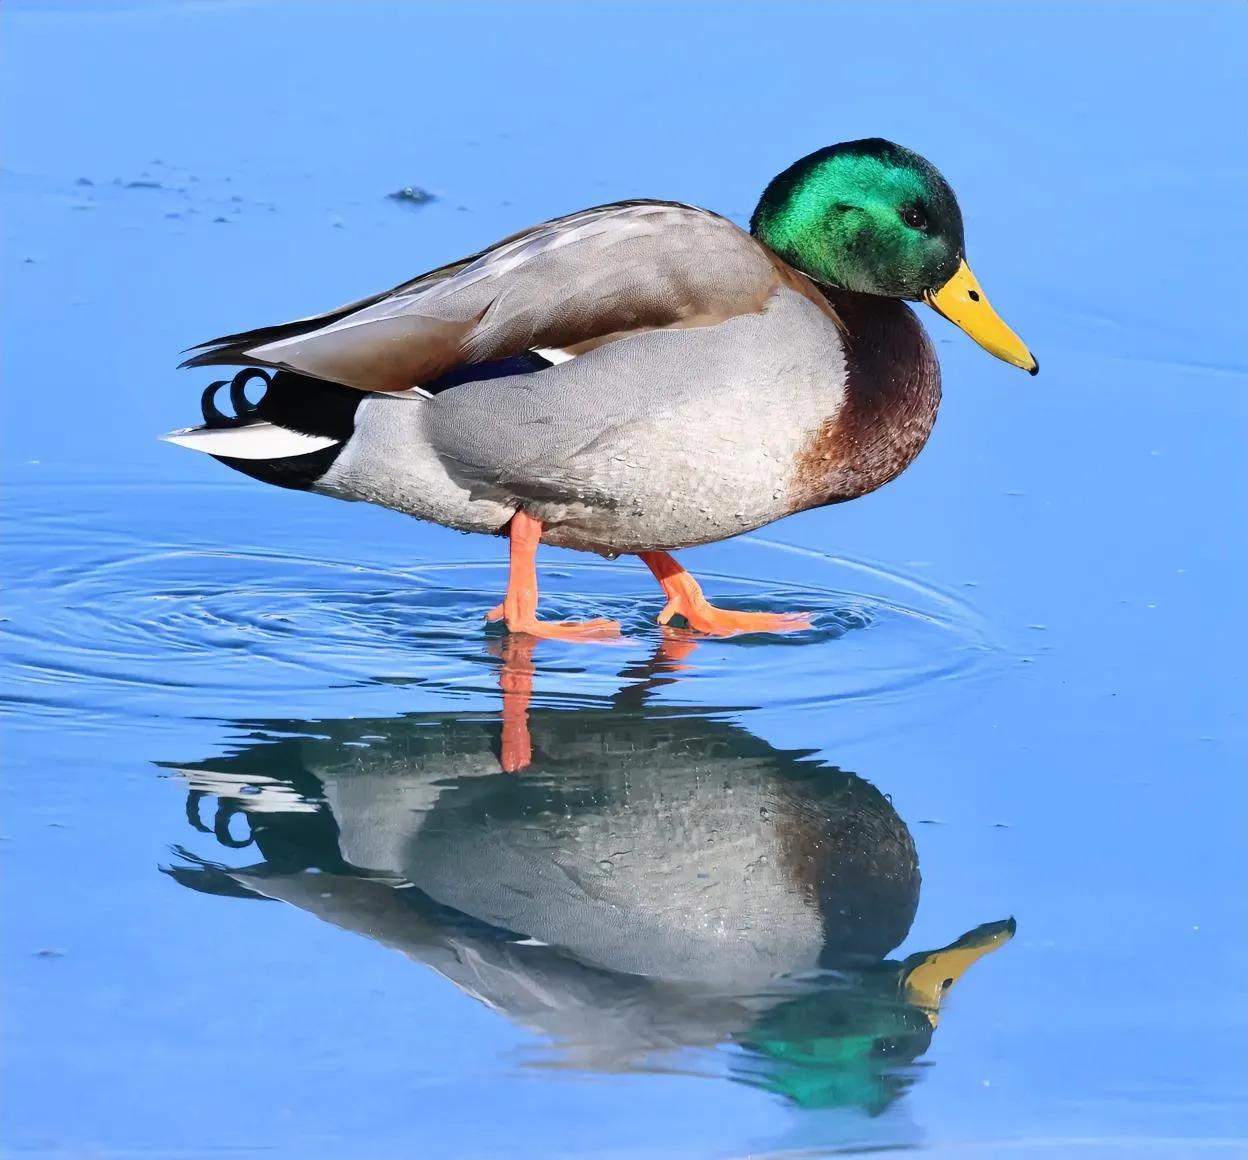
[659, 440]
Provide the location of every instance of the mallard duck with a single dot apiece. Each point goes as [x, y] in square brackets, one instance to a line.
[634, 378]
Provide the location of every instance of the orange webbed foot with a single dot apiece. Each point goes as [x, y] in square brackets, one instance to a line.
[702, 616]
[685, 598]
[527, 623]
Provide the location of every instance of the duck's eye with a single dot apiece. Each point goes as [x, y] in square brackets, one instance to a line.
[914, 217]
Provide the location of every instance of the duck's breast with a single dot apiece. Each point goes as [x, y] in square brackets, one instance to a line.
[892, 392]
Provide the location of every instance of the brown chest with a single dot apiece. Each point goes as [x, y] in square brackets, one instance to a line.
[892, 393]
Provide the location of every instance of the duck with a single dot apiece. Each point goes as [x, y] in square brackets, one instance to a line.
[633, 379]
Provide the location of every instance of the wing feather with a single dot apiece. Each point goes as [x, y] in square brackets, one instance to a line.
[570, 283]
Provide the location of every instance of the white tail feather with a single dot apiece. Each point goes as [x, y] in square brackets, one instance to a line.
[253, 441]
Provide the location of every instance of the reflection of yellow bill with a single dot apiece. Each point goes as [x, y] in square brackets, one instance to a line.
[965, 305]
[934, 973]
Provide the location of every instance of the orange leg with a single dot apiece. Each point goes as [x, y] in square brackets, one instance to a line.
[684, 598]
[519, 606]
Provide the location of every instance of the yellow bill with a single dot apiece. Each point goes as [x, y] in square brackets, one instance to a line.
[965, 305]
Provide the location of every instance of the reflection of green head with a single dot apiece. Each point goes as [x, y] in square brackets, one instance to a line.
[838, 1049]
[843, 1044]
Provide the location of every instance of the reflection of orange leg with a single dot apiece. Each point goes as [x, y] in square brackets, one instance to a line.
[519, 606]
[515, 679]
[673, 649]
[684, 598]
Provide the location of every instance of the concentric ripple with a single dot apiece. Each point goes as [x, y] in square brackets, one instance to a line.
[210, 631]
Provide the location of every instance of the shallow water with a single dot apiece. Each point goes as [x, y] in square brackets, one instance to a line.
[268, 889]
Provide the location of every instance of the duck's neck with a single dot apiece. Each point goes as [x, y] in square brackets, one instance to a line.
[892, 392]
[796, 225]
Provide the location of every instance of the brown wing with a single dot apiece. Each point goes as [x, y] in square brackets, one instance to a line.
[570, 283]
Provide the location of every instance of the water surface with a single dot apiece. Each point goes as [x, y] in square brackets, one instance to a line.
[269, 886]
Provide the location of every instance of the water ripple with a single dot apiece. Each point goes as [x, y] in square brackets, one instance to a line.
[132, 630]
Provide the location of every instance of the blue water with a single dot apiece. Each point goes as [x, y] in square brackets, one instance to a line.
[266, 889]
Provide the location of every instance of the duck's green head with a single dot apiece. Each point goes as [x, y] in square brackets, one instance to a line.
[874, 218]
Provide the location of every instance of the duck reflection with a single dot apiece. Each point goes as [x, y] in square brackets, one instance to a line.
[653, 880]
